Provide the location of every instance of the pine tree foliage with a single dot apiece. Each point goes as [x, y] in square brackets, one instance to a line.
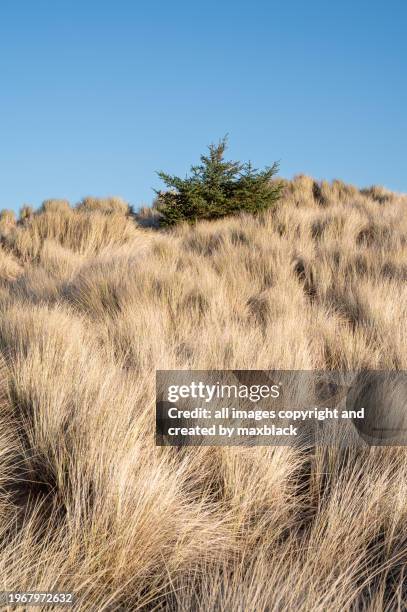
[217, 188]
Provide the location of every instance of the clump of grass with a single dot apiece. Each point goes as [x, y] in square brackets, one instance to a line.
[7, 221]
[9, 266]
[26, 213]
[105, 205]
[55, 205]
[74, 229]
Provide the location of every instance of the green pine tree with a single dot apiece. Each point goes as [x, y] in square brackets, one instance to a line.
[217, 188]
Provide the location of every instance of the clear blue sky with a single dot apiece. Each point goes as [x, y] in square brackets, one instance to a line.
[96, 95]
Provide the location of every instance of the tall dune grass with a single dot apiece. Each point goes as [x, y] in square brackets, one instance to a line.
[93, 301]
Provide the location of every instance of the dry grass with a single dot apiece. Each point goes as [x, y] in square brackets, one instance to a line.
[91, 303]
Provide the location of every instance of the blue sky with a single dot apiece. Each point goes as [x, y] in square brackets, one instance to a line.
[96, 95]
